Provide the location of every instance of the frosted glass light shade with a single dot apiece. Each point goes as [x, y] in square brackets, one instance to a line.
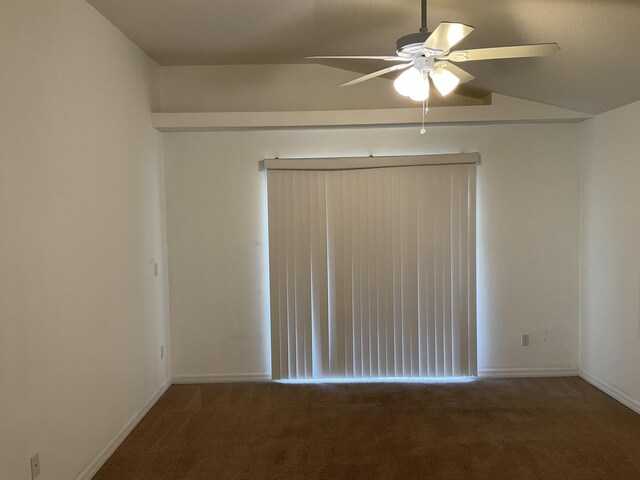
[445, 81]
[420, 90]
[407, 81]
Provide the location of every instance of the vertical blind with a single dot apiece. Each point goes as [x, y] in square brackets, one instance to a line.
[372, 272]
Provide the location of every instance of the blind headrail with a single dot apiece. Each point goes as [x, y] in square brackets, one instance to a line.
[357, 163]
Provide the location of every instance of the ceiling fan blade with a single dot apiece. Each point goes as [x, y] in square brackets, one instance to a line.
[447, 35]
[457, 71]
[518, 51]
[386, 58]
[378, 74]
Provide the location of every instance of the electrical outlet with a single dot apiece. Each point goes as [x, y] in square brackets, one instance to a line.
[525, 340]
[35, 466]
[161, 352]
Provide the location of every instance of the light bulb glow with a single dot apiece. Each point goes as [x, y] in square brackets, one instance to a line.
[445, 81]
[420, 90]
[404, 84]
[413, 84]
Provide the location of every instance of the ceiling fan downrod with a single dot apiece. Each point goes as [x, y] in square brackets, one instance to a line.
[410, 44]
[423, 28]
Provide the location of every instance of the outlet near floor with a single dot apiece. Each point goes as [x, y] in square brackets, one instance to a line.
[35, 466]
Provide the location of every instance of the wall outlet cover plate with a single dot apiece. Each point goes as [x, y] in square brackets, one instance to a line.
[35, 466]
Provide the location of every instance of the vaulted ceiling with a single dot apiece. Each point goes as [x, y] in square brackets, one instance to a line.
[596, 70]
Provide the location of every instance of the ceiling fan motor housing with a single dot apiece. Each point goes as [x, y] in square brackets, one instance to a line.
[413, 44]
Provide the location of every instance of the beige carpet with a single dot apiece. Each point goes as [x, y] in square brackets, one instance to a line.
[556, 428]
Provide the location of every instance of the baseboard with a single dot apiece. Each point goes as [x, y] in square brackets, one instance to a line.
[222, 378]
[612, 391]
[90, 470]
[528, 372]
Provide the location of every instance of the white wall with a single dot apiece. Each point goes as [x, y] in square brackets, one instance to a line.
[610, 253]
[528, 224]
[81, 222]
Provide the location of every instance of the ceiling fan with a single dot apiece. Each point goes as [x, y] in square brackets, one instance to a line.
[427, 55]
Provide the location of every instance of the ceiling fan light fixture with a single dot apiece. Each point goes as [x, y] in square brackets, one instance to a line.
[425, 56]
[445, 81]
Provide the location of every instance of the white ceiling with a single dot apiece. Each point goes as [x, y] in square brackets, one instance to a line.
[597, 69]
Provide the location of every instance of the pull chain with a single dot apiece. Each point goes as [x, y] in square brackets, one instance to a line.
[425, 110]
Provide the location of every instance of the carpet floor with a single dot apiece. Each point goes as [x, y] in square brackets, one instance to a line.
[520, 429]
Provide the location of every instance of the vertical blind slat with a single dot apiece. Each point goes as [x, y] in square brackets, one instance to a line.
[464, 272]
[396, 231]
[471, 277]
[429, 247]
[332, 285]
[373, 275]
[439, 276]
[356, 273]
[455, 271]
[275, 276]
[446, 272]
[321, 278]
[388, 278]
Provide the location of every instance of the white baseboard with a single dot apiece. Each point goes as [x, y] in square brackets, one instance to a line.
[612, 391]
[90, 470]
[528, 372]
[222, 378]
